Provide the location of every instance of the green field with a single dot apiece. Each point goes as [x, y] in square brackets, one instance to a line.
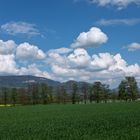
[112, 121]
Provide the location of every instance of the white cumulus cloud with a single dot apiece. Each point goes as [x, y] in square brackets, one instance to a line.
[93, 38]
[33, 69]
[102, 61]
[25, 51]
[7, 47]
[8, 64]
[64, 64]
[10, 53]
[79, 58]
[81, 66]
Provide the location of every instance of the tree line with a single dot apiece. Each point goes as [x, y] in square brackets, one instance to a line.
[41, 93]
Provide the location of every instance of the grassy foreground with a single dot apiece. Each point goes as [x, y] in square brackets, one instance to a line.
[110, 121]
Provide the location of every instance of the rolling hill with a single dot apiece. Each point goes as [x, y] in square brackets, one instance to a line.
[24, 80]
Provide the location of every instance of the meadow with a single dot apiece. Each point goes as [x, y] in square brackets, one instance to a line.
[111, 121]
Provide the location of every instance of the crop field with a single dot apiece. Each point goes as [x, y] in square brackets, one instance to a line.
[111, 121]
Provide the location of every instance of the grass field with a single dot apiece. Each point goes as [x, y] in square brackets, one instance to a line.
[112, 121]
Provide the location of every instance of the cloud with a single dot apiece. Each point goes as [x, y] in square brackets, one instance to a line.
[120, 4]
[93, 38]
[9, 61]
[79, 65]
[60, 50]
[102, 61]
[16, 28]
[7, 47]
[33, 69]
[8, 64]
[25, 51]
[79, 58]
[63, 64]
[108, 22]
[133, 46]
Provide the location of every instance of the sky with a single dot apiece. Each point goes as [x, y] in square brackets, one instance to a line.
[82, 40]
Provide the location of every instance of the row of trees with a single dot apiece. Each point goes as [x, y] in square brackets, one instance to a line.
[33, 94]
[44, 94]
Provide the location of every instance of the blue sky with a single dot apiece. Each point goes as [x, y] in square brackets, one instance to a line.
[35, 27]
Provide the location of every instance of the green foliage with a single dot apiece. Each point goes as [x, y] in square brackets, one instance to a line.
[5, 95]
[44, 93]
[50, 94]
[100, 92]
[14, 96]
[128, 89]
[91, 95]
[110, 121]
[74, 92]
[63, 94]
[132, 87]
[85, 92]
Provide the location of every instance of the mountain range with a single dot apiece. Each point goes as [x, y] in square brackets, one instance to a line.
[25, 80]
